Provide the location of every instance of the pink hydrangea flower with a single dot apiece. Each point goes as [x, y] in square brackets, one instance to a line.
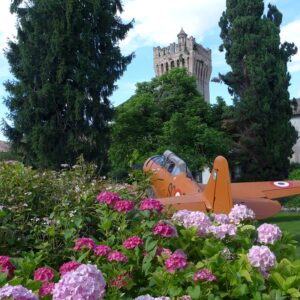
[261, 257]
[220, 218]
[117, 256]
[151, 204]
[6, 266]
[110, 198]
[197, 219]
[176, 261]
[46, 289]
[165, 229]
[133, 242]
[43, 274]
[186, 297]
[204, 275]
[17, 292]
[68, 266]
[124, 206]
[164, 252]
[84, 242]
[240, 213]
[86, 282]
[268, 233]
[102, 250]
[223, 230]
[121, 280]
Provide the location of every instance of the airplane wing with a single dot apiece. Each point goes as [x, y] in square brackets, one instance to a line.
[265, 189]
[259, 195]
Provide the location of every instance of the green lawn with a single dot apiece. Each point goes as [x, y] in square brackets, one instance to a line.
[289, 222]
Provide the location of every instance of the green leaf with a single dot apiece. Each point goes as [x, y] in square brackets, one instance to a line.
[246, 275]
[3, 278]
[194, 291]
[16, 281]
[278, 279]
[294, 292]
[174, 291]
[150, 244]
[68, 233]
[147, 261]
[33, 285]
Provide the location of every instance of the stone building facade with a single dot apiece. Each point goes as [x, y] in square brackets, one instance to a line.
[186, 54]
[296, 123]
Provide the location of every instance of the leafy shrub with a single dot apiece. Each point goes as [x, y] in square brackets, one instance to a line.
[140, 250]
[36, 207]
[4, 156]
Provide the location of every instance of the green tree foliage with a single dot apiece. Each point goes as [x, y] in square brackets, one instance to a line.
[65, 61]
[259, 82]
[167, 113]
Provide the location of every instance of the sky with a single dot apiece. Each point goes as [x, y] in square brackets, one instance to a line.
[157, 23]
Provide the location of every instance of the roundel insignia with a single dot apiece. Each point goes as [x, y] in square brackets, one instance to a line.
[282, 184]
[178, 193]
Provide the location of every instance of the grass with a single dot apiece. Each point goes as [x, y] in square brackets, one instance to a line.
[289, 222]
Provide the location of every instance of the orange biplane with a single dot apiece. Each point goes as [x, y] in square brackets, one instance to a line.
[174, 185]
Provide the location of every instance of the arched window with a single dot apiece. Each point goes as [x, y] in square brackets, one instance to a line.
[172, 64]
[162, 68]
[167, 67]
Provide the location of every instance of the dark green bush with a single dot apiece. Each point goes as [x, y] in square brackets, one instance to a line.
[4, 156]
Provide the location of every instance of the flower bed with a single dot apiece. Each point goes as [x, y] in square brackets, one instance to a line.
[139, 251]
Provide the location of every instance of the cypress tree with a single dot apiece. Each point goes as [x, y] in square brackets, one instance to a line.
[65, 61]
[258, 82]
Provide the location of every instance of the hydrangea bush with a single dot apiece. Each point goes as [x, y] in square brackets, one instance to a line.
[136, 250]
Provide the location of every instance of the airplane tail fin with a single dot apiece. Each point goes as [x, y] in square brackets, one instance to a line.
[218, 189]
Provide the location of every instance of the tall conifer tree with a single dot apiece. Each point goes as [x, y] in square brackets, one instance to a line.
[259, 82]
[65, 61]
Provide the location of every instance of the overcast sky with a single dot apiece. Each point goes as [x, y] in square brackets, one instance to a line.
[157, 23]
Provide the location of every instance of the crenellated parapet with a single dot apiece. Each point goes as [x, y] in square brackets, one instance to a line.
[186, 53]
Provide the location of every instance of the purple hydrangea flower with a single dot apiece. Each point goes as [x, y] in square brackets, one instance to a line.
[86, 282]
[221, 231]
[180, 216]
[148, 297]
[17, 292]
[195, 219]
[268, 233]
[220, 218]
[240, 213]
[261, 257]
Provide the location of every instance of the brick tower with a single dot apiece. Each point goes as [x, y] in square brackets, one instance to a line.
[186, 54]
